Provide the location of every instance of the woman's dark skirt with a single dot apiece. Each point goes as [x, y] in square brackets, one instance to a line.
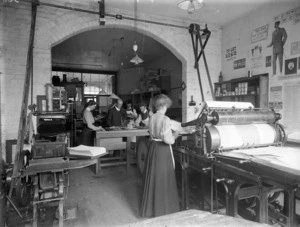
[160, 195]
[87, 136]
[142, 146]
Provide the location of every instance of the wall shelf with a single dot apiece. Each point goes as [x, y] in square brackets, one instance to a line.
[245, 89]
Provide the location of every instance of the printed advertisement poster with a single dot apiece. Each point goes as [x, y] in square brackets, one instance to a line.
[295, 48]
[230, 53]
[291, 111]
[238, 64]
[259, 34]
[268, 61]
[275, 98]
[291, 15]
[257, 59]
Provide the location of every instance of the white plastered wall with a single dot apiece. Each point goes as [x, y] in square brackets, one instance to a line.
[56, 25]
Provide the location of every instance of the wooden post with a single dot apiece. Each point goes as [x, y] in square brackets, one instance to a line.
[2, 192]
[24, 104]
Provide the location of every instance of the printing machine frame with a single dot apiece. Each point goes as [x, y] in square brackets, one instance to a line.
[241, 178]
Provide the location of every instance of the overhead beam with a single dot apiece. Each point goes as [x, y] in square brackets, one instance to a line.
[117, 16]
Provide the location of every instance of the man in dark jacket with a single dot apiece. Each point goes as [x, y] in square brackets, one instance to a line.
[116, 114]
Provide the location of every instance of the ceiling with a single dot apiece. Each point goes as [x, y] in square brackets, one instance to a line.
[214, 11]
[110, 49]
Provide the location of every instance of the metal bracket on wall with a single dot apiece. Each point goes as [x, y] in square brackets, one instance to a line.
[182, 87]
[101, 12]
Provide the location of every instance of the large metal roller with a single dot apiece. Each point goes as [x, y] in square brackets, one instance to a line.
[227, 137]
[244, 117]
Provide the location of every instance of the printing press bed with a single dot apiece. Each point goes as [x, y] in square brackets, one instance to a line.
[252, 177]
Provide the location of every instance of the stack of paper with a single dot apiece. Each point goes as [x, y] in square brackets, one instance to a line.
[86, 151]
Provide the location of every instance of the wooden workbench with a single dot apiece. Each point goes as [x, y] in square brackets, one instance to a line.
[120, 133]
[58, 165]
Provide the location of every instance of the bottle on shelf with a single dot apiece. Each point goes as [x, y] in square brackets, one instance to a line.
[221, 77]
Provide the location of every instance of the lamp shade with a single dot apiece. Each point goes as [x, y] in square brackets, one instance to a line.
[136, 60]
[102, 92]
[191, 5]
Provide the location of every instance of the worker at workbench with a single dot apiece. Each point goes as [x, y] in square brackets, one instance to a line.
[88, 131]
[143, 118]
[116, 114]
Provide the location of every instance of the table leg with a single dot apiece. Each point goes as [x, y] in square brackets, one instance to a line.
[127, 153]
[97, 166]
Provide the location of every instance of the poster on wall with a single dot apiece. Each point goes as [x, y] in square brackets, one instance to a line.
[295, 48]
[238, 64]
[268, 61]
[259, 34]
[257, 59]
[275, 98]
[290, 66]
[230, 53]
[291, 15]
[291, 110]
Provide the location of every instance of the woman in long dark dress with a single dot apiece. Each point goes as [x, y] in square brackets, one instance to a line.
[88, 131]
[160, 195]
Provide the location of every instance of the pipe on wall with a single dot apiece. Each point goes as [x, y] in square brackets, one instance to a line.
[106, 14]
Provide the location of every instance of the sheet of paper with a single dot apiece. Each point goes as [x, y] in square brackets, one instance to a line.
[283, 156]
[86, 151]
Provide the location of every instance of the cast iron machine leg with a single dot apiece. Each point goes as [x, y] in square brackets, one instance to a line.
[289, 204]
[45, 192]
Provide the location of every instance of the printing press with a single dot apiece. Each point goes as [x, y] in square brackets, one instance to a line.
[43, 168]
[240, 150]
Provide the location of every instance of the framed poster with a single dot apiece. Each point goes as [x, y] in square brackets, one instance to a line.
[238, 64]
[230, 53]
[291, 66]
[268, 61]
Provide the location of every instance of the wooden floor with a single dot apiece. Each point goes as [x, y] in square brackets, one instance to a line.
[113, 198]
[110, 199]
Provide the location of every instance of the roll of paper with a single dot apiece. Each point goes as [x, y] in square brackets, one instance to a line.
[238, 136]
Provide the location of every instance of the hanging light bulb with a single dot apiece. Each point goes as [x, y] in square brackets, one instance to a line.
[135, 47]
[136, 59]
[191, 7]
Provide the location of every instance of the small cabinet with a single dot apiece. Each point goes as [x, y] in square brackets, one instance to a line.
[253, 89]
